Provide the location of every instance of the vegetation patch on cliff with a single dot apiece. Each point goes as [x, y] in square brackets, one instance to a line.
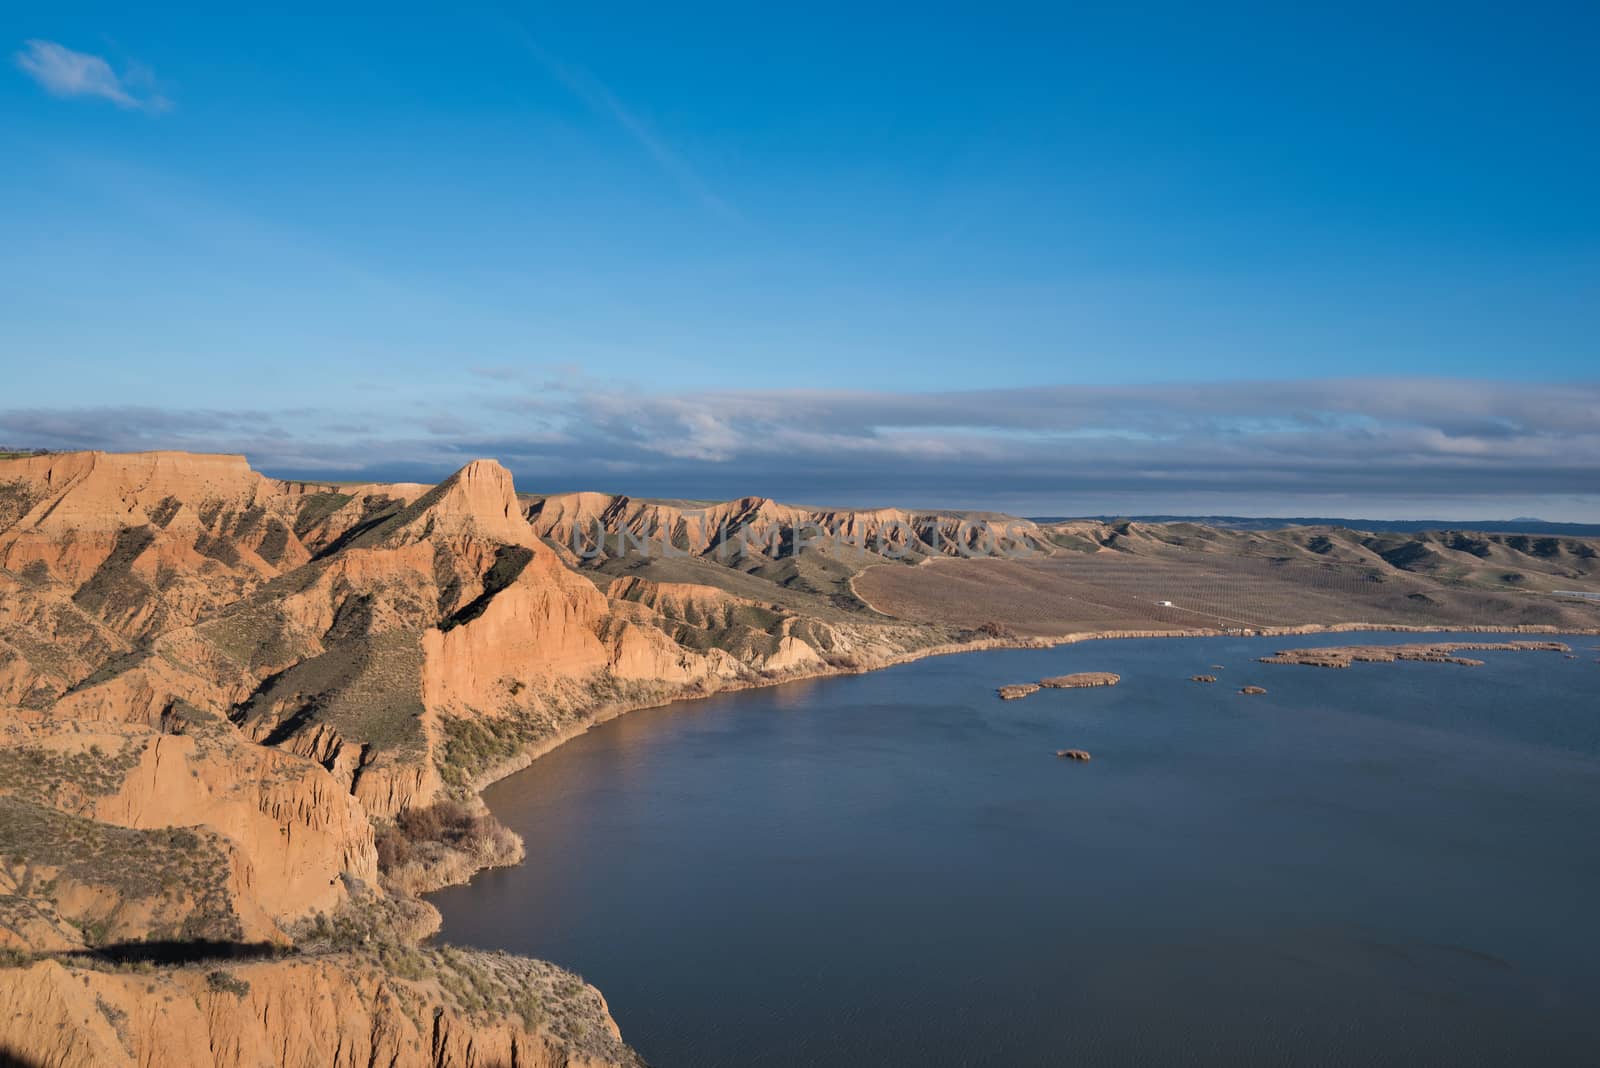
[425, 848]
[17, 499]
[47, 774]
[368, 689]
[175, 879]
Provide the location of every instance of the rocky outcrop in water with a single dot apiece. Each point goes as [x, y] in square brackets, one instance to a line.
[1080, 680]
[1342, 656]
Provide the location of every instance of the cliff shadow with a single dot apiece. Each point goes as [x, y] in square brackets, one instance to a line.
[175, 952]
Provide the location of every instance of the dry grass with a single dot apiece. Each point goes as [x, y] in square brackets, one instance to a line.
[1121, 591]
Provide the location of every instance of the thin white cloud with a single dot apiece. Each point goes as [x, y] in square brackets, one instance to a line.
[593, 92]
[65, 73]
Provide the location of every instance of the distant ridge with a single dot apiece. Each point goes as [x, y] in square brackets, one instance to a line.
[1521, 525]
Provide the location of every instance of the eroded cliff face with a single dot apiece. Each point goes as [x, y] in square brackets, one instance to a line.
[238, 712]
[148, 540]
[213, 686]
[454, 1010]
[758, 529]
[292, 833]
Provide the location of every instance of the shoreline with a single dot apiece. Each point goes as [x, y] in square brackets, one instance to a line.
[604, 714]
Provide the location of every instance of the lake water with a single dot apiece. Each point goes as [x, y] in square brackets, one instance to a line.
[1390, 864]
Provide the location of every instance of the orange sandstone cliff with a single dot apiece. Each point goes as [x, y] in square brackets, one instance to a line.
[243, 722]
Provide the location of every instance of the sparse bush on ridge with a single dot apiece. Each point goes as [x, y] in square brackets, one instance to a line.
[226, 982]
[114, 1016]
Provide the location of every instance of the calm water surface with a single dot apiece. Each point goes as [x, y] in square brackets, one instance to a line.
[1392, 864]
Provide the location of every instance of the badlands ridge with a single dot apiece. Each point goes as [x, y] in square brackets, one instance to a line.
[243, 721]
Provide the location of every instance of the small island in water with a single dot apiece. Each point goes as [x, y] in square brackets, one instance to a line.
[1080, 680]
[1342, 656]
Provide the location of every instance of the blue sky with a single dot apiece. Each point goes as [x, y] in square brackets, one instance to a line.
[630, 249]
